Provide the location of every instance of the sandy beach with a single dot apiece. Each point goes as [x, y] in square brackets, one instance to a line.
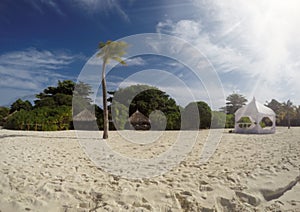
[50, 171]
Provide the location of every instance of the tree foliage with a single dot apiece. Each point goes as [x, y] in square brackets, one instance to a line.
[56, 96]
[286, 113]
[218, 119]
[202, 120]
[81, 98]
[19, 104]
[148, 99]
[234, 102]
[44, 118]
[4, 112]
[52, 109]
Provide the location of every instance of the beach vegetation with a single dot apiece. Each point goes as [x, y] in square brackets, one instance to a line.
[147, 100]
[19, 104]
[218, 119]
[230, 119]
[191, 121]
[234, 102]
[52, 109]
[4, 112]
[287, 114]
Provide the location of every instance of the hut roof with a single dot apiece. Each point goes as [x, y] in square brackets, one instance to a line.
[84, 115]
[138, 118]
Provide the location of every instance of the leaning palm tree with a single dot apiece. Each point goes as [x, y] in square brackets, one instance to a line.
[111, 50]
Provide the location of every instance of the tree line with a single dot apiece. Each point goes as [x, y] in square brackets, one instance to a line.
[287, 114]
[52, 109]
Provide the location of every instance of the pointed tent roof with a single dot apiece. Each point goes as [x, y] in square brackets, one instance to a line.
[256, 112]
[253, 108]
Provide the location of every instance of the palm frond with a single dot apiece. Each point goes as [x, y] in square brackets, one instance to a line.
[120, 60]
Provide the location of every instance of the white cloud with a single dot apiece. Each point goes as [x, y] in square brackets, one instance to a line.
[30, 71]
[256, 40]
[35, 59]
[136, 61]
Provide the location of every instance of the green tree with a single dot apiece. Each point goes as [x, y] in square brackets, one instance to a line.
[148, 99]
[4, 112]
[81, 97]
[277, 107]
[19, 104]
[158, 120]
[286, 113]
[53, 108]
[234, 102]
[218, 119]
[56, 96]
[119, 113]
[44, 118]
[230, 121]
[109, 51]
[191, 121]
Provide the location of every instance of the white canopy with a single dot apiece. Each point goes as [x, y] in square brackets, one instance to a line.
[256, 112]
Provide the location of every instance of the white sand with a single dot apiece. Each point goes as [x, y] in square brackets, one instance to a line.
[49, 171]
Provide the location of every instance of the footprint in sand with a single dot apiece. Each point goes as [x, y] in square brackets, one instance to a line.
[204, 186]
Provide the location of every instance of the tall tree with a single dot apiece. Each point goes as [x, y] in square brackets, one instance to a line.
[234, 102]
[148, 100]
[277, 107]
[81, 98]
[191, 121]
[109, 51]
[19, 104]
[56, 96]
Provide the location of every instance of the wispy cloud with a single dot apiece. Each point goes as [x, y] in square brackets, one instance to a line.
[257, 41]
[136, 61]
[36, 59]
[101, 6]
[40, 4]
[90, 7]
[31, 70]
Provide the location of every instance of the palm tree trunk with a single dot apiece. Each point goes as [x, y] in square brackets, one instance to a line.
[105, 110]
[289, 120]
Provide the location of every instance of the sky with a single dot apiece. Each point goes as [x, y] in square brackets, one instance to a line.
[247, 47]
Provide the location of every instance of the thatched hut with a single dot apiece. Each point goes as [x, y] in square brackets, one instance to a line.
[139, 121]
[85, 120]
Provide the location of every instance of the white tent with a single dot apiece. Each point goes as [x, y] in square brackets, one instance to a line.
[259, 115]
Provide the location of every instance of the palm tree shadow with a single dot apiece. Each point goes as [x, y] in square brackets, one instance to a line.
[40, 136]
[12, 136]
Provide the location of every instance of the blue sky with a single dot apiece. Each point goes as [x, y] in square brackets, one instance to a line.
[253, 46]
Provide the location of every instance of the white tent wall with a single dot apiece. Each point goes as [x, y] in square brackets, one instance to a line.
[256, 112]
